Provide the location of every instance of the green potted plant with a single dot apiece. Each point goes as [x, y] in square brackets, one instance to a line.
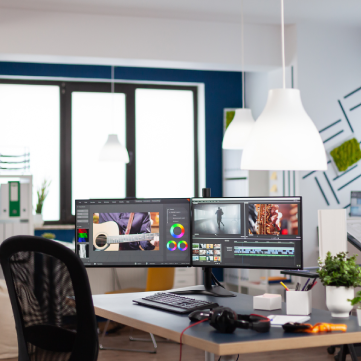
[42, 193]
[357, 301]
[340, 274]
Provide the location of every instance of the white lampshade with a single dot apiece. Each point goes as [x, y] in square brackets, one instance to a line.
[284, 137]
[113, 151]
[237, 133]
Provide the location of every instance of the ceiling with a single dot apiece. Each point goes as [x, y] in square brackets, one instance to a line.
[346, 12]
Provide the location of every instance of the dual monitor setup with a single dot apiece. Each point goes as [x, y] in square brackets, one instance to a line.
[252, 232]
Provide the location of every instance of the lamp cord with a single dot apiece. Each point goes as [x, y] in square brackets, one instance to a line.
[242, 55]
[283, 45]
[113, 105]
[112, 76]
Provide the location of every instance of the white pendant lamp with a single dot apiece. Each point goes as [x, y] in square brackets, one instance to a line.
[284, 136]
[238, 132]
[113, 150]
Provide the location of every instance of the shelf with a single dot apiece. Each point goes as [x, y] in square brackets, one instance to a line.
[60, 226]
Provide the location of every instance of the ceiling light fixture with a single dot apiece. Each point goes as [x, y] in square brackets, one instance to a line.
[113, 150]
[238, 131]
[284, 136]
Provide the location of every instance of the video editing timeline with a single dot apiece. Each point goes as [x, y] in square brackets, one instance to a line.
[133, 232]
[262, 232]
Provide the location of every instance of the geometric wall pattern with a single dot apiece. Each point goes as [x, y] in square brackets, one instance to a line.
[332, 185]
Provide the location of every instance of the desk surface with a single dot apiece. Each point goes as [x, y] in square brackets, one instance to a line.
[120, 308]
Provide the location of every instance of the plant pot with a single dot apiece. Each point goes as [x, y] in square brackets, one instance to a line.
[358, 310]
[336, 300]
[38, 220]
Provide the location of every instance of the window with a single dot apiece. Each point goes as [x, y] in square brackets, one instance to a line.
[66, 124]
[164, 143]
[94, 116]
[30, 119]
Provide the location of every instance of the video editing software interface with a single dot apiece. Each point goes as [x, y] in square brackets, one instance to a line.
[137, 232]
[247, 232]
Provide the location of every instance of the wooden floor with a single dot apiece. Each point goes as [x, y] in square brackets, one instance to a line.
[170, 351]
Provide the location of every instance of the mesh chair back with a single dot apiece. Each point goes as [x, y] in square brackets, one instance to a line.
[51, 300]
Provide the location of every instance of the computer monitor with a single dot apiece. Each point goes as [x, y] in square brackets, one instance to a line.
[254, 232]
[133, 232]
[355, 204]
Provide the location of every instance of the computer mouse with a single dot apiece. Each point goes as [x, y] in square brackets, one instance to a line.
[199, 315]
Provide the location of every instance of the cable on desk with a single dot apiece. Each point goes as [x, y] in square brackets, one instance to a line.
[180, 344]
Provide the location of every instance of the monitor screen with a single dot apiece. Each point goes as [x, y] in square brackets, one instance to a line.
[133, 232]
[355, 209]
[259, 232]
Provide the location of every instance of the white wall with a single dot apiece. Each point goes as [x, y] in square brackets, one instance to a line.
[59, 36]
[328, 68]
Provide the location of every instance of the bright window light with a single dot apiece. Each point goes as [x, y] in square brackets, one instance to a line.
[94, 117]
[164, 143]
[30, 118]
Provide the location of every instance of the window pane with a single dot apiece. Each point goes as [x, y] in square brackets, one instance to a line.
[94, 117]
[30, 117]
[164, 143]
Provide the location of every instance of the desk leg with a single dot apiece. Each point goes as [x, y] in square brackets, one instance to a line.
[211, 357]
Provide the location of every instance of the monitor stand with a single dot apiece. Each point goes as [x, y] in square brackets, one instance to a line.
[208, 289]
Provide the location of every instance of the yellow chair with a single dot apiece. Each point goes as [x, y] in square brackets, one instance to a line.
[158, 279]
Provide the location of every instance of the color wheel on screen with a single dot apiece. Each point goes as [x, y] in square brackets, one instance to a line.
[177, 225]
[172, 245]
[182, 245]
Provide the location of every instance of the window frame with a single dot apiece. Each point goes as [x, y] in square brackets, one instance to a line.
[128, 88]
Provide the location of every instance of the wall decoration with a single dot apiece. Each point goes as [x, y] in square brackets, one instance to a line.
[274, 176]
[347, 154]
[229, 117]
[343, 156]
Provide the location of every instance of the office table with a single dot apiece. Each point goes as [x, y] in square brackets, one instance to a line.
[120, 308]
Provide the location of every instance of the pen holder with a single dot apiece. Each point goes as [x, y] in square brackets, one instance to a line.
[298, 302]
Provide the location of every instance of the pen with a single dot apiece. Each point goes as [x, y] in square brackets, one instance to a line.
[298, 286]
[313, 284]
[304, 287]
[284, 286]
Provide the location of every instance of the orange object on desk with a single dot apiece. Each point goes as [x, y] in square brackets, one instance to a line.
[326, 327]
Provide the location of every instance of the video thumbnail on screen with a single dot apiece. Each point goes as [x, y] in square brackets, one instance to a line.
[273, 219]
[134, 231]
[217, 219]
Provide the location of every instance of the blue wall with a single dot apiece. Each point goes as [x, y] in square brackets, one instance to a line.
[223, 89]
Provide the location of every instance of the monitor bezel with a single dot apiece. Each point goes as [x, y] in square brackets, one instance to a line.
[249, 267]
[134, 266]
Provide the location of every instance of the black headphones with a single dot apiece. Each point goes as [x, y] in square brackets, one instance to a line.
[225, 320]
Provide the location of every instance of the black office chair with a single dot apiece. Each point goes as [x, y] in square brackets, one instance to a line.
[44, 278]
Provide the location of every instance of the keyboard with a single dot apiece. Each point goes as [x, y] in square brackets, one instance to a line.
[174, 303]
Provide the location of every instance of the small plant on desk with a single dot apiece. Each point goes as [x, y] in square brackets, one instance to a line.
[340, 275]
[42, 193]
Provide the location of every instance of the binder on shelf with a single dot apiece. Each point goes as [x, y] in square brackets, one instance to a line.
[14, 199]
